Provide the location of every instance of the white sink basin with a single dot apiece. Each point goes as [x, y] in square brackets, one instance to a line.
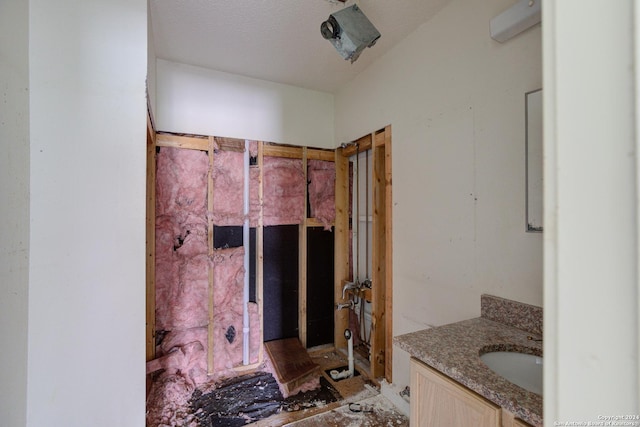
[521, 369]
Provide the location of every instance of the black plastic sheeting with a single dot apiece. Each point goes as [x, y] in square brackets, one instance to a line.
[280, 286]
[250, 398]
[320, 288]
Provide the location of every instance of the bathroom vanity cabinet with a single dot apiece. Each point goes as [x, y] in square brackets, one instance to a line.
[437, 400]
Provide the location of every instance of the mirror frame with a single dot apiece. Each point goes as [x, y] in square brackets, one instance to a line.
[534, 161]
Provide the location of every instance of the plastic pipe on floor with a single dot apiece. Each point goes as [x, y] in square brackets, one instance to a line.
[347, 373]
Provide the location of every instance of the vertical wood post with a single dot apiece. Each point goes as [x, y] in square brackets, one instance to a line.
[341, 244]
[388, 231]
[302, 260]
[260, 248]
[378, 288]
[151, 244]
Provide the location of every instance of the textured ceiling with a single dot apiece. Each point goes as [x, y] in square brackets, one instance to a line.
[276, 40]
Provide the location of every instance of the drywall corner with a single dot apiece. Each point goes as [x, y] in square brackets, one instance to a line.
[14, 209]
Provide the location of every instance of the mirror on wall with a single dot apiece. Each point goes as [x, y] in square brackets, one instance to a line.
[534, 176]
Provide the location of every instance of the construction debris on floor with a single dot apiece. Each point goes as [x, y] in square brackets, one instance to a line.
[246, 399]
[373, 412]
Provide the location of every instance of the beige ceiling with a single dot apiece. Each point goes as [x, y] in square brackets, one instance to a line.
[276, 40]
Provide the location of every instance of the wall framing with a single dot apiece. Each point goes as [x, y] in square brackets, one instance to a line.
[150, 267]
[381, 295]
[207, 144]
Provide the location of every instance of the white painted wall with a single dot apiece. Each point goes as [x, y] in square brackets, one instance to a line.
[87, 213]
[455, 100]
[151, 70]
[206, 102]
[592, 292]
[14, 209]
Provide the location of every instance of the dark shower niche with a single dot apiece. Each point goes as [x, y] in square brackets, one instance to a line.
[340, 369]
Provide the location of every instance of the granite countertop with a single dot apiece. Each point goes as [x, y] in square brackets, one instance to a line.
[454, 350]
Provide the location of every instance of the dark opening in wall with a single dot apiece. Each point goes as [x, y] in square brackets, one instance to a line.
[252, 265]
[227, 237]
[280, 285]
[319, 286]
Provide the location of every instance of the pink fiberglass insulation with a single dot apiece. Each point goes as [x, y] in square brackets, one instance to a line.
[228, 184]
[253, 148]
[254, 199]
[188, 360]
[181, 275]
[181, 184]
[322, 178]
[228, 313]
[283, 191]
[183, 262]
[181, 239]
[168, 403]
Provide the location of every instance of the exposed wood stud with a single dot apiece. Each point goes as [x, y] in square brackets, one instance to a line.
[378, 330]
[151, 244]
[302, 261]
[381, 293]
[341, 244]
[260, 247]
[388, 255]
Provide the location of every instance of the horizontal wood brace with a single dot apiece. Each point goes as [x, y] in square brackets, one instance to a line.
[358, 146]
[275, 150]
[317, 154]
[177, 141]
[230, 144]
[315, 222]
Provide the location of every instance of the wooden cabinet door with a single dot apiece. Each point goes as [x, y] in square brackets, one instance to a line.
[438, 401]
